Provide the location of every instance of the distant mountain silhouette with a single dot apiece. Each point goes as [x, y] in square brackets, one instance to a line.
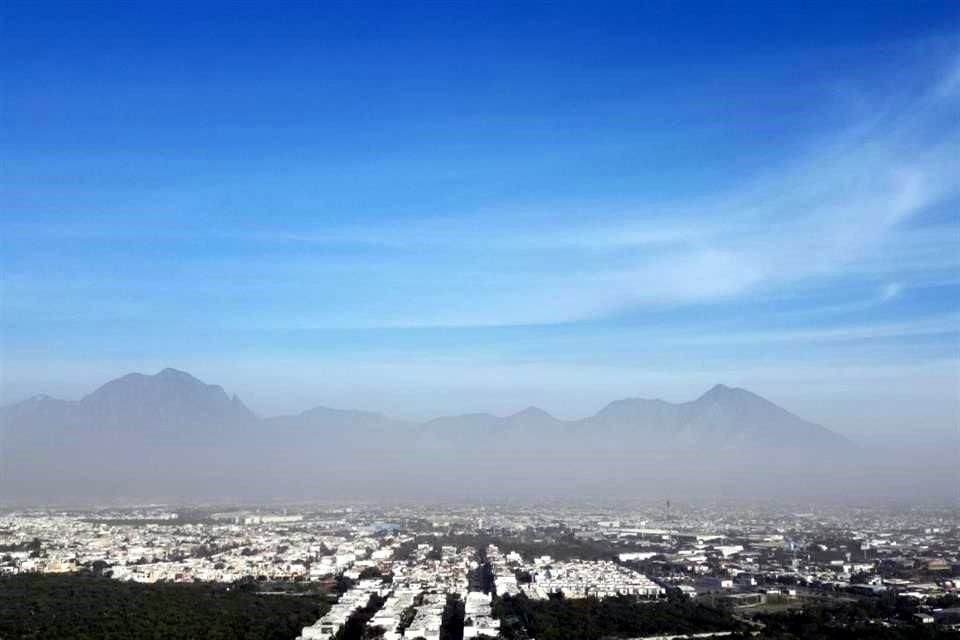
[723, 416]
[170, 434]
[170, 398]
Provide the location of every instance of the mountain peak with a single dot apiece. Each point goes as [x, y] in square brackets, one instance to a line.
[722, 391]
[40, 397]
[166, 380]
[532, 412]
[175, 374]
[170, 396]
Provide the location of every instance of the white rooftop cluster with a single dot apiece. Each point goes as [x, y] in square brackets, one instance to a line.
[446, 575]
[426, 623]
[246, 517]
[504, 578]
[580, 579]
[352, 600]
[390, 615]
[478, 616]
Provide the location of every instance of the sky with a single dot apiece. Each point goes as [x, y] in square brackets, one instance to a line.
[436, 208]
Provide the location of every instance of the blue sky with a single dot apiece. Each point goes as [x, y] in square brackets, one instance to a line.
[434, 208]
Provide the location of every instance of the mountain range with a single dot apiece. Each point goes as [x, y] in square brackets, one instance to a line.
[170, 435]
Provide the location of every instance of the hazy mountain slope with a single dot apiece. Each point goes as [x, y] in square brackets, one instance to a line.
[736, 415]
[169, 399]
[170, 434]
[722, 417]
[133, 434]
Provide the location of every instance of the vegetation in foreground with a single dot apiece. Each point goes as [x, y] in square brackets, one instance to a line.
[79, 607]
[593, 619]
[850, 621]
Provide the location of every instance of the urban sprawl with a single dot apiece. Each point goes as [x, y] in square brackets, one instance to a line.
[400, 567]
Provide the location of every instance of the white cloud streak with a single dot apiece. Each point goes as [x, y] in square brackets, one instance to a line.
[832, 211]
[842, 209]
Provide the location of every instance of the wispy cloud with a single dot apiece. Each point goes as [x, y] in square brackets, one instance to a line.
[891, 291]
[843, 209]
[828, 212]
